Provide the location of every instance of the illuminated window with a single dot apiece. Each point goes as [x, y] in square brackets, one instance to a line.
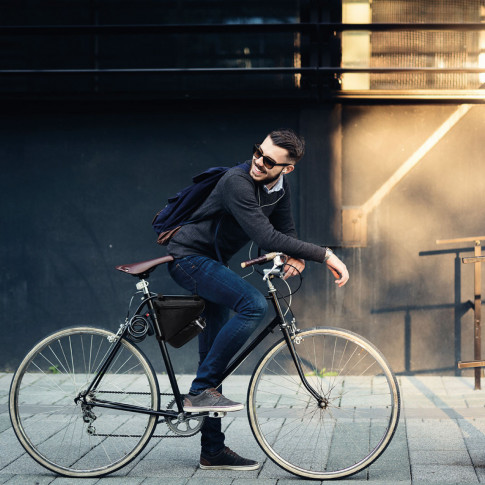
[451, 47]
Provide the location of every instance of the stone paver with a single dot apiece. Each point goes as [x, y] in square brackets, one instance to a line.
[440, 440]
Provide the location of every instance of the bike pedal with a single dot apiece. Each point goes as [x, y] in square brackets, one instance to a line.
[217, 414]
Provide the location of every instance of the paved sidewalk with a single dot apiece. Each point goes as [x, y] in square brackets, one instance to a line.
[440, 440]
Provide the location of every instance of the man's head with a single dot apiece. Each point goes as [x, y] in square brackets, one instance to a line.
[278, 153]
[291, 142]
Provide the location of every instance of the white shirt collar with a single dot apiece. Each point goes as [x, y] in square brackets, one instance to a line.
[277, 186]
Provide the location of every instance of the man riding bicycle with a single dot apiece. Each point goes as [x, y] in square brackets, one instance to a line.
[251, 202]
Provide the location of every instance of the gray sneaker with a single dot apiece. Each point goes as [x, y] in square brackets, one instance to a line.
[210, 400]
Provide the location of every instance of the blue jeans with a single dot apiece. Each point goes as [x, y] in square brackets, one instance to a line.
[223, 290]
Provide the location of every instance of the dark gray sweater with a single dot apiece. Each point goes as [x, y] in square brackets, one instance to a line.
[248, 212]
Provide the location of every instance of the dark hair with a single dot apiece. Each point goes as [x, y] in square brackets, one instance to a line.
[290, 141]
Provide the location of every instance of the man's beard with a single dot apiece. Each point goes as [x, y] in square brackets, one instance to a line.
[268, 180]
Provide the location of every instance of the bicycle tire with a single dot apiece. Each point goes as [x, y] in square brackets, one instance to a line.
[354, 425]
[50, 425]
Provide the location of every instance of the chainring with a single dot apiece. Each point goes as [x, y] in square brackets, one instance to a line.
[188, 426]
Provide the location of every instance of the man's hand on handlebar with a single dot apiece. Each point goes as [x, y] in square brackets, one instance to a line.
[293, 267]
[338, 269]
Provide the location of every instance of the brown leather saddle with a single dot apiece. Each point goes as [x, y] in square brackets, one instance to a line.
[143, 269]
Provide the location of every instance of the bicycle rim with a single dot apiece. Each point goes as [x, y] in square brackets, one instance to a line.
[60, 434]
[348, 429]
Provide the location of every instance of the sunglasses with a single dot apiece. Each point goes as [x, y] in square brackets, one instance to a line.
[268, 162]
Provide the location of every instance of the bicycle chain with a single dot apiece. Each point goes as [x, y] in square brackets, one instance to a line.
[134, 393]
[136, 435]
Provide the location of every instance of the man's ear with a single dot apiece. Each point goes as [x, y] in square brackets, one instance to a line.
[289, 169]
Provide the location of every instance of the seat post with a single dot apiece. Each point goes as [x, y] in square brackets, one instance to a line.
[142, 285]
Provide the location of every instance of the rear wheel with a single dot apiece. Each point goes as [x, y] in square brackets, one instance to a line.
[344, 431]
[76, 439]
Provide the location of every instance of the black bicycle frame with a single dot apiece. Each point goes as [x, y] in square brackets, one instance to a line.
[279, 320]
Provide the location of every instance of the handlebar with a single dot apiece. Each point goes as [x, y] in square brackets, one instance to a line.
[261, 260]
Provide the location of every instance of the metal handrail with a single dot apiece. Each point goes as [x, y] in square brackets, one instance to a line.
[307, 27]
[257, 70]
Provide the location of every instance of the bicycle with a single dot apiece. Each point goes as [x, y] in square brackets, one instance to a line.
[322, 403]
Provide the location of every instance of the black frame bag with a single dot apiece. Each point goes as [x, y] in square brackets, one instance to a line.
[179, 317]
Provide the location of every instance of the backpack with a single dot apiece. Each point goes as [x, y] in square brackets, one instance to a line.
[181, 206]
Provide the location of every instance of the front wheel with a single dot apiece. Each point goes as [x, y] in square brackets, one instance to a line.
[347, 428]
[66, 435]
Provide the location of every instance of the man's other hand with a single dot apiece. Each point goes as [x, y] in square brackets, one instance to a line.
[338, 269]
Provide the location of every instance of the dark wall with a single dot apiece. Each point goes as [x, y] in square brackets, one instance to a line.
[80, 185]
[78, 191]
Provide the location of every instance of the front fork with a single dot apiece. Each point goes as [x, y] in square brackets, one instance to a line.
[292, 339]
